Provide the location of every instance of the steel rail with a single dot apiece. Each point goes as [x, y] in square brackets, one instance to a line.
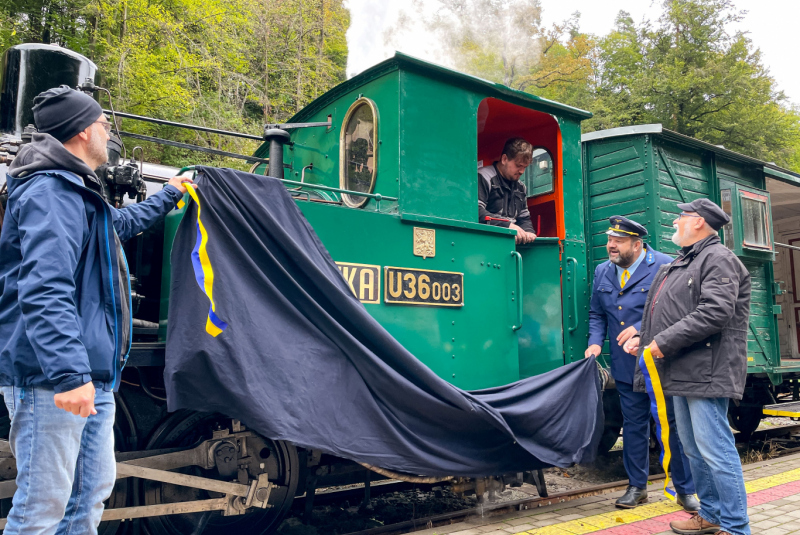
[525, 503]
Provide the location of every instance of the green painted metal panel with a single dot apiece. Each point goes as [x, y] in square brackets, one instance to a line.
[435, 178]
[320, 146]
[541, 346]
[171, 223]
[577, 294]
[444, 338]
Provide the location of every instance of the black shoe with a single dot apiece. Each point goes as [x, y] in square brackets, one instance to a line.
[632, 497]
[689, 503]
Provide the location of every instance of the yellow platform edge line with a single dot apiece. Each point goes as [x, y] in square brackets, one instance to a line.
[599, 522]
[770, 412]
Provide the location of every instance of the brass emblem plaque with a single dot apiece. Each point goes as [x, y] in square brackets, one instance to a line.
[424, 242]
[423, 287]
[364, 280]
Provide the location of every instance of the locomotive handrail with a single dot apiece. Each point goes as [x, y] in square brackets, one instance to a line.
[518, 295]
[376, 196]
[574, 295]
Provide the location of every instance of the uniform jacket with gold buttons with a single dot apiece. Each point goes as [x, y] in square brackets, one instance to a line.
[614, 309]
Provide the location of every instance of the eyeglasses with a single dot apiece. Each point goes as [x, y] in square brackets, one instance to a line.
[684, 214]
[106, 125]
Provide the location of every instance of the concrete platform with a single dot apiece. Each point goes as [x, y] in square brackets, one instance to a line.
[773, 499]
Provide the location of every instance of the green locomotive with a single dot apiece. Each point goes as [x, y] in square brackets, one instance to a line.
[390, 187]
[384, 167]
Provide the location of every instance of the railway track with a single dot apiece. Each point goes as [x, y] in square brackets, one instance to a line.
[787, 438]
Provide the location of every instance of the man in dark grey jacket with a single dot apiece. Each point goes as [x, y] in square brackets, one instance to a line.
[695, 324]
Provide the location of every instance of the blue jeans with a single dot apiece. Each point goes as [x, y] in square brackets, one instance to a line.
[636, 418]
[716, 468]
[65, 464]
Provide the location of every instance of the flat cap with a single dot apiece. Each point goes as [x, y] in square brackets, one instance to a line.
[64, 112]
[622, 227]
[708, 210]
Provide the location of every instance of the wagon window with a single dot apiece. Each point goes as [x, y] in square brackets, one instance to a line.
[357, 151]
[727, 230]
[755, 222]
[538, 176]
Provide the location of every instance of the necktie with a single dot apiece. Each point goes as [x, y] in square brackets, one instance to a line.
[624, 279]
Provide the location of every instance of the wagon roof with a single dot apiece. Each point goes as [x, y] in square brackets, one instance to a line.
[456, 78]
[770, 168]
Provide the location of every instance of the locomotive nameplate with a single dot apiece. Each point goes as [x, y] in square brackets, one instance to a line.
[408, 286]
[364, 280]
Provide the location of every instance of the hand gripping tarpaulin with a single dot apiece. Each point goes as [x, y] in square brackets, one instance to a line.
[263, 328]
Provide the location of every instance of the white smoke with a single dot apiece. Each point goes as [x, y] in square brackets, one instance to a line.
[379, 28]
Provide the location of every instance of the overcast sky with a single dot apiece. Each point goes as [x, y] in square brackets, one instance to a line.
[771, 24]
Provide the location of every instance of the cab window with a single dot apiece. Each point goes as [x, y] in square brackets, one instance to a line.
[538, 176]
[358, 154]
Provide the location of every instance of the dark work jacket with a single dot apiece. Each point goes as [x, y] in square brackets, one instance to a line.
[698, 310]
[502, 201]
[65, 311]
[614, 309]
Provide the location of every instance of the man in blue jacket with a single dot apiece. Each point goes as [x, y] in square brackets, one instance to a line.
[618, 297]
[65, 315]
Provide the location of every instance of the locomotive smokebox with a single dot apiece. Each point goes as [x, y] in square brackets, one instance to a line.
[30, 69]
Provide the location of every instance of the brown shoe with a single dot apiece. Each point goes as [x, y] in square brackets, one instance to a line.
[720, 532]
[695, 524]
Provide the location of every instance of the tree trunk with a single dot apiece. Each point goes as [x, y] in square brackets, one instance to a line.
[298, 99]
[320, 78]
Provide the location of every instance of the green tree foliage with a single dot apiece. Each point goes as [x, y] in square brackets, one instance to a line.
[690, 73]
[687, 70]
[231, 65]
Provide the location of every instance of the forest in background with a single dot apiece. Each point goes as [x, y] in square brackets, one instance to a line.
[232, 65]
[239, 64]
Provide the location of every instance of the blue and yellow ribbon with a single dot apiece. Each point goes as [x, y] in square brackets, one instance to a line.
[658, 407]
[203, 271]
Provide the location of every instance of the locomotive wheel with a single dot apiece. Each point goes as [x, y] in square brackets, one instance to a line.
[745, 419]
[186, 429]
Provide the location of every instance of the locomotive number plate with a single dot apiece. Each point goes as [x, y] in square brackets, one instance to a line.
[423, 287]
[364, 280]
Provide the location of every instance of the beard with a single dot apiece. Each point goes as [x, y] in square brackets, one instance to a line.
[623, 259]
[679, 238]
[97, 150]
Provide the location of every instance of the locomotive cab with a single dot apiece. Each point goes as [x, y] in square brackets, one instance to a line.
[390, 185]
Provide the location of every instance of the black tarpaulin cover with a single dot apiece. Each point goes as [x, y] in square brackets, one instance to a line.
[297, 357]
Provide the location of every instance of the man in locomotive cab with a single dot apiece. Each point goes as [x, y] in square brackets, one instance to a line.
[502, 198]
[65, 314]
[618, 298]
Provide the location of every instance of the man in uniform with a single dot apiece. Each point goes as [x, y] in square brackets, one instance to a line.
[695, 324]
[618, 297]
[502, 198]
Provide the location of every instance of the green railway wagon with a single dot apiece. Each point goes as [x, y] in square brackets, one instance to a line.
[642, 172]
[389, 183]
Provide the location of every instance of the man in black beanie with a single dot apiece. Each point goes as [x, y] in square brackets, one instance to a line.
[65, 315]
